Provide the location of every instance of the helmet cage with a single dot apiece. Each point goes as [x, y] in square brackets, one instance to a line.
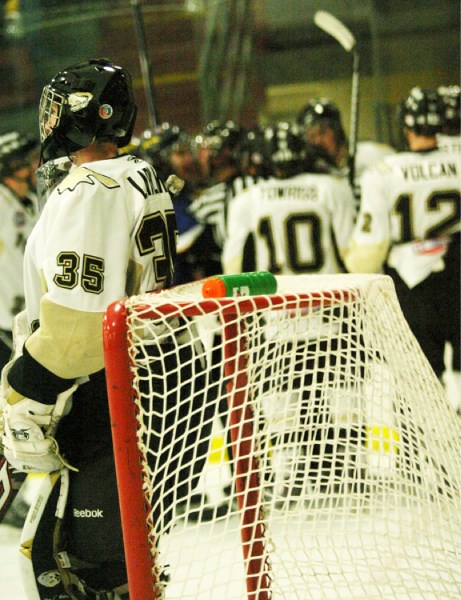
[50, 111]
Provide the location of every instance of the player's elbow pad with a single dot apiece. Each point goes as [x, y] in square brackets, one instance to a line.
[365, 259]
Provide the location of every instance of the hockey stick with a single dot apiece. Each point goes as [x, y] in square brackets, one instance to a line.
[146, 69]
[333, 26]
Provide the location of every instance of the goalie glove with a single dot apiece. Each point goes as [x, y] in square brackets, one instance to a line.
[28, 432]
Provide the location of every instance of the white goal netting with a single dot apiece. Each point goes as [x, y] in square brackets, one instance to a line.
[293, 446]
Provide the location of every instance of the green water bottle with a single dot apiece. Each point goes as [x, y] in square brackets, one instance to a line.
[255, 283]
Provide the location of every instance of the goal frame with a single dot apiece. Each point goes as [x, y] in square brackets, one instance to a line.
[140, 562]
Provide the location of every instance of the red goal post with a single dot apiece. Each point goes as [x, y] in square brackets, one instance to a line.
[305, 370]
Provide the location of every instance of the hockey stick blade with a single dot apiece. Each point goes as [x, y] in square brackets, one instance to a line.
[331, 25]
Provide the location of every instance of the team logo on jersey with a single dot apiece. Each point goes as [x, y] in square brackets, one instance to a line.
[49, 578]
[85, 175]
[431, 247]
[106, 111]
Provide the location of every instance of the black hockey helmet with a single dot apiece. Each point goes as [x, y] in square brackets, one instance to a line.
[286, 148]
[220, 137]
[255, 152]
[87, 101]
[159, 142]
[422, 111]
[156, 145]
[320, 111]
[450, 95]
[15, 151]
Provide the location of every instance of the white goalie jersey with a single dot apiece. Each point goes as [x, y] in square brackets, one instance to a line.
[410, 206]
[107, 231]
[298, 225]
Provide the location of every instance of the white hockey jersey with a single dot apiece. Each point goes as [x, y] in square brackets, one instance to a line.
[410, 205]
[16, 225]
[368, 154]
[212, 205]
[298, 224]
[107, 231]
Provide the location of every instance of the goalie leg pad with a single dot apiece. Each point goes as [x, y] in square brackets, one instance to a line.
[94, 528]
[39, 573]
[42, 577]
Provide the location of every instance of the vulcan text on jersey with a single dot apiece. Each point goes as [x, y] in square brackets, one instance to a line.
[429, 171]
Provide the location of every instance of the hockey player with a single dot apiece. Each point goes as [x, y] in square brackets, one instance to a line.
[298, 221]
[93, 244]
[409, 225]
[450, 137]
[231, 153]
[19, 213]
[18, 205]
[220, 148]
[291, 217]
[323, 127]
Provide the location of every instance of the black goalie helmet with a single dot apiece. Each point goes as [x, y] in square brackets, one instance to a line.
[15, 151]
[88, 101]
[422, 112]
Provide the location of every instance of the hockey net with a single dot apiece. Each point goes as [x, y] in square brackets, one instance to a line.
[294, 445]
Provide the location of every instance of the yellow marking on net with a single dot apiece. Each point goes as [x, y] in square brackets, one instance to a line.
[218, 452]
[382, 439]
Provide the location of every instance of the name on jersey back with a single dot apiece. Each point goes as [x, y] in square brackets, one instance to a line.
[429, 171]
[290, 193]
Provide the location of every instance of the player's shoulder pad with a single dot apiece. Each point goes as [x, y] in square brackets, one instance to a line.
[84, 175]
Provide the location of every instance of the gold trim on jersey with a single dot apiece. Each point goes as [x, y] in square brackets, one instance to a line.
[367, 258]
[85, 175]
[68, 342]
